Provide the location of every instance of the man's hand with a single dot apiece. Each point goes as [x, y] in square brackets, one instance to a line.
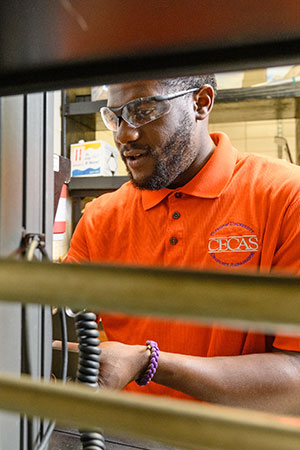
[120, 364]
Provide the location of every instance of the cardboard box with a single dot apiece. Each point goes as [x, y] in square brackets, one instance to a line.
[93, 158]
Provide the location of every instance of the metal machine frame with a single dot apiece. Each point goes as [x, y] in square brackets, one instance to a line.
[26, 199]
[50, 45]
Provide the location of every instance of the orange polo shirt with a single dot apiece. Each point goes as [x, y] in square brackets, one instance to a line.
[240, 212]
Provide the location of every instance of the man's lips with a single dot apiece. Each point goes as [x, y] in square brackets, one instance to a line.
[134, 154]
[136, 158]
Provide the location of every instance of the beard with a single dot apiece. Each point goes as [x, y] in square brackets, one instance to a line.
[170, 161]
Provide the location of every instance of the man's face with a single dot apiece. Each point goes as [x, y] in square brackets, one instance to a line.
[157, 153]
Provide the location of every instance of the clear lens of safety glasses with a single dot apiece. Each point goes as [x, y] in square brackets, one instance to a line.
[109, 118]
[136, 113]
[142, 111]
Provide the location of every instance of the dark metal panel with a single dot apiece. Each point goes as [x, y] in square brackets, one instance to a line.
[11, 173]
[25, 333]
[72, 30]
[48, 213]
[49, 151]
[26, 200]
[64, 31]
[11, 198]
[34, 178]
[72, 42]
[10, 361]
[39, 219]
[32, 338]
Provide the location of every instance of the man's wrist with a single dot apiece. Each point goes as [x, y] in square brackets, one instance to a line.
[149, 371]
[141, 359]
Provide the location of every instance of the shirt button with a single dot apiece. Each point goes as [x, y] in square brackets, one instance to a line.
[173, 241]
[176, 215]
[178, 194]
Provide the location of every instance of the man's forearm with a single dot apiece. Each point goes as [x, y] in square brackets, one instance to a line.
[266, 381]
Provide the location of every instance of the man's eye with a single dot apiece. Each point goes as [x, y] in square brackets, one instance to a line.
[146, 111]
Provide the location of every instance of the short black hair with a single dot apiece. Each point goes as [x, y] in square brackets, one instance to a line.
[189, 82]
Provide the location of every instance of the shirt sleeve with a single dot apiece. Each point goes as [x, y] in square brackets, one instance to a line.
[287, 260]
[287, 255]
[78, 251]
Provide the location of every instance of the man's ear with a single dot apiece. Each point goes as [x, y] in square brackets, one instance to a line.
[203, 102]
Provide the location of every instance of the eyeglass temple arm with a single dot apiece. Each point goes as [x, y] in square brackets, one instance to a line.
[176, 94]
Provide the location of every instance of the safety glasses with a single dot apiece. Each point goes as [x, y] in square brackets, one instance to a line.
[140, 111]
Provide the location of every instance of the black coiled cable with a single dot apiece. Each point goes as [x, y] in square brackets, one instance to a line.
[88, 368]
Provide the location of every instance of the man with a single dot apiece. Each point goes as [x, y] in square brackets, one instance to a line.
[193, 202]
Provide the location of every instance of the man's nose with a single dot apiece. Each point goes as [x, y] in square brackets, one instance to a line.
[126, 133]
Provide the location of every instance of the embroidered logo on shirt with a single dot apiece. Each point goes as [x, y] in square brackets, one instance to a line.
[233, 244]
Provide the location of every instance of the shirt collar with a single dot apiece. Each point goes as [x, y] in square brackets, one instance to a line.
[209, 182]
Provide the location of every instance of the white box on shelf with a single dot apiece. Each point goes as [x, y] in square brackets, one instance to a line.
[93, 158]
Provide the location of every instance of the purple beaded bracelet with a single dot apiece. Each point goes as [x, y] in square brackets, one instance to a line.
[151, 369]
